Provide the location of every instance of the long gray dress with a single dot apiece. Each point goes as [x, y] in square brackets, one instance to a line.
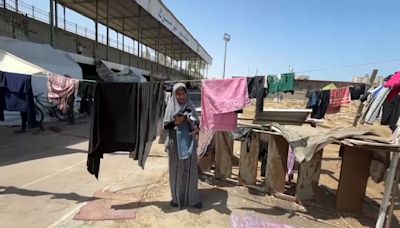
[183, 175]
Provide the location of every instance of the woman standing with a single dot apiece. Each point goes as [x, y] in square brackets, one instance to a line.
[181, 121]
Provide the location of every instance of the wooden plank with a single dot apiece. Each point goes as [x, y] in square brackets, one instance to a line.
[249, 160]
[276, 164]
[353, 179]
[223, 155]
[307, 181]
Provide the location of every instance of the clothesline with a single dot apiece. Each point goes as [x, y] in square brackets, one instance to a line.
[42, 76]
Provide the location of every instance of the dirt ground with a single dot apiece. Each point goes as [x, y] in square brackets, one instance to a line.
[44, 183]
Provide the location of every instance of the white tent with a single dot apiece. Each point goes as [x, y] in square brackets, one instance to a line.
[41, 55]
[23, 57]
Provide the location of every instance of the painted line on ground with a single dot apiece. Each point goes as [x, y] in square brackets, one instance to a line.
[53, 174]
[67, 215]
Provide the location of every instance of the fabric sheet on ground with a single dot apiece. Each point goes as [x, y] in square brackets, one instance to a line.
[124, 118]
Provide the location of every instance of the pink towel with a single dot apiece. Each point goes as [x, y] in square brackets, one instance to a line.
[60, 89]
[394, 84]
[219, 100]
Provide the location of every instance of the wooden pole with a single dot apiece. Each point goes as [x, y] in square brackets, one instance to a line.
[389, 183]
[393, 199]
[361, 106]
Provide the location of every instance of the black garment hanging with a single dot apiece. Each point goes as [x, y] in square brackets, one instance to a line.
[391, 112]
[356, 91]
[18, 95]
[314, 99]
[86, 91]
[323, 106]
[255, 87]
[124, 118]
[318, 101]
[2, 100]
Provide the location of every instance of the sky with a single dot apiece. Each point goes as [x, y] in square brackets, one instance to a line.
[320, 38]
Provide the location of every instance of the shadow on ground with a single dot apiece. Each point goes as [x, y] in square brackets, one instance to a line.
[10, 190]
[213, 199]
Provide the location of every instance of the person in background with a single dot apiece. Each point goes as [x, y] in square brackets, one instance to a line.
[182, 123]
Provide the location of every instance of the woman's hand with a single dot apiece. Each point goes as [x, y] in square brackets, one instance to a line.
[195, 131]
[179, 120]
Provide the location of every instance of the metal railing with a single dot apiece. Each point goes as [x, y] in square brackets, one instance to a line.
[41, 15]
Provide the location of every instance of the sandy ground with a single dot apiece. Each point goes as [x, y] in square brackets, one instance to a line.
[44, 183]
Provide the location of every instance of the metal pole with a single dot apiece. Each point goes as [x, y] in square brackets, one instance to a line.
[33, 11]
[51, 15]
[226, 44]
[108, 32]
[16, 5]
[4, 4]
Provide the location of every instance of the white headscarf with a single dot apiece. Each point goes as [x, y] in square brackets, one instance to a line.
[173, 106]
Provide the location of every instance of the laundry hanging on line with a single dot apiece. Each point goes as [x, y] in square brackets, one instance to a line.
[124, 118]
[219, 101]
[17, 95]
[284, 84]
[318, 101]
[86, 92]
[338, 98]
[61, 88]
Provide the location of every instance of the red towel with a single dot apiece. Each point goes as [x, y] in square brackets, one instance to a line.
[339, 97]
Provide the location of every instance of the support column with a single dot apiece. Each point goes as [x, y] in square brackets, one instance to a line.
[16, 5]
[353, 179]
[108, 28]
[158, 46]
[223, 155]
[276, 164]
[65, 20]
[123, 34]
[308, 178]
[139, 38]
[173, 53]
[4, 3]
[249, 160]
[51, 20]
[56, 12]
[119, 50]
[96, 27]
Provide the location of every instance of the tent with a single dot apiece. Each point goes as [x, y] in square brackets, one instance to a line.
[329, 87]
[23, 57]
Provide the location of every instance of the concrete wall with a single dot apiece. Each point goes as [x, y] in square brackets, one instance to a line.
[32, 30]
